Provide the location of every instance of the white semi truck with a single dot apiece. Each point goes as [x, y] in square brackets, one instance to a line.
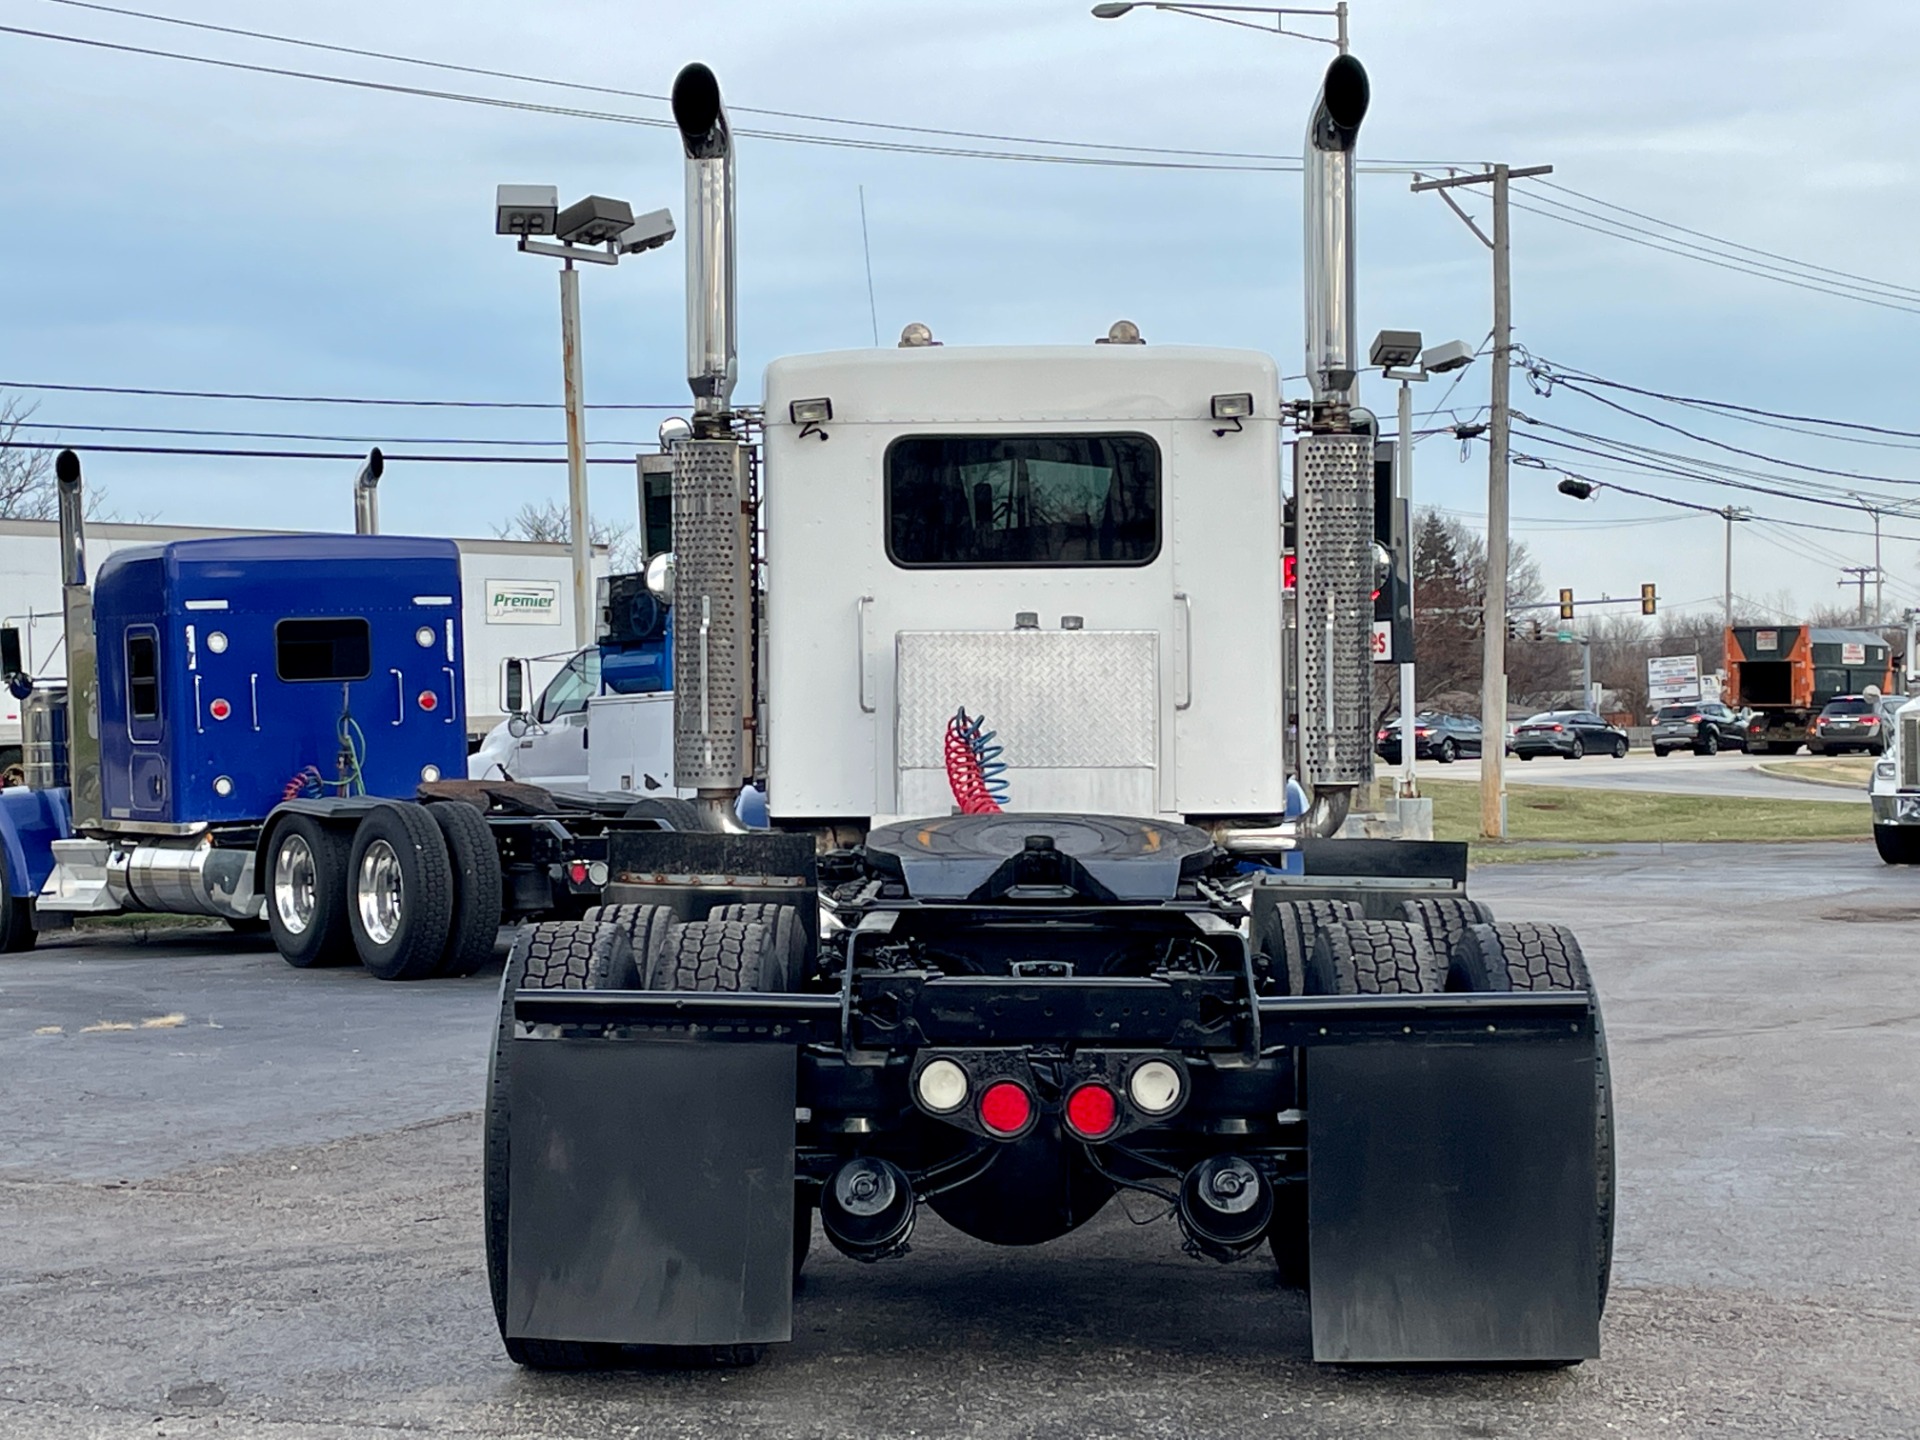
[1002, 634]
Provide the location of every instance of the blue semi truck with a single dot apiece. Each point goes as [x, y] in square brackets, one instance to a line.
[269, 730]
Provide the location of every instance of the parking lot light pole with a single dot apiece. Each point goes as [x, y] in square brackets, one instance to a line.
[598, 231]
[1399, 356]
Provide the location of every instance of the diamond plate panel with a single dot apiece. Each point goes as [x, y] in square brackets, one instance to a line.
[1909, 747]
[711, 621]
[1333, 490]
[1062, 699]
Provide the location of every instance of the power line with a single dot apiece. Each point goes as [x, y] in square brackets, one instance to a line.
[1279, 165]
[1578, 389]
[1842, 283]
[1707, 259]
[1554, 369]
[353, 455]
[1873, 292]
[1720, 240]
[296, 435]
[649, 95]
[314, 399]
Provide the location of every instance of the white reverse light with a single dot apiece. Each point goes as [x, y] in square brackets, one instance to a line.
[943, 1086]
[429, 773]
[223, 787]
[424, 637]
[217, 642]
[1155, 1087]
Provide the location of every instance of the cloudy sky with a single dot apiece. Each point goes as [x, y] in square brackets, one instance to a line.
[180, 226]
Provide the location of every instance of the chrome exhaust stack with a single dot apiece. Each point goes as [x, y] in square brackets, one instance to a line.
[1333, 493]
[366, 494]
[712, 540]
[1333, 128]
[712, 360]
[83, 674]
[1333, 474]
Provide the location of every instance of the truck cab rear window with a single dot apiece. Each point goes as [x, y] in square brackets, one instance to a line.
[143, 674]
[1023, 500]
[338, 648]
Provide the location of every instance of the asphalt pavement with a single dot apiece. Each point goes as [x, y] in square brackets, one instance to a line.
[239, 1199]
[1680, 773]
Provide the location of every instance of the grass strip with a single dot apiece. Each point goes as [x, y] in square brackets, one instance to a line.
[1581, 816]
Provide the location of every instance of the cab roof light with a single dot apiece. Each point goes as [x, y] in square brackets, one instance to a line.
[1232, 407]
[810, 412]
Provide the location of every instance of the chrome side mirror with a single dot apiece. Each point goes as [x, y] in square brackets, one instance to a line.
[516, 726]
[513, 687]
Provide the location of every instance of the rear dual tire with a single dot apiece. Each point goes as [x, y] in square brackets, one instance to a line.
[400, 883]
[306, 885]
[1493, 958]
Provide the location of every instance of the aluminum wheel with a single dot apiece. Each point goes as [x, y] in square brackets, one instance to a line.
[376, 892]
[295, 878]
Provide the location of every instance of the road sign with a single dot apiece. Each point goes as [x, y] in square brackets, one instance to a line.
[1672, 678]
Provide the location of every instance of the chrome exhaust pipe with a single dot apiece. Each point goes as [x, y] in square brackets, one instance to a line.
[1323, 817]
[83, 675]
[1333, 479]
[366, 494]
[1333, 128]
[712, 361]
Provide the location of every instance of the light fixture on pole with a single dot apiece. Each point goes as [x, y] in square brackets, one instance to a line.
[1398, 355]
[1226, 15]
[596, 231]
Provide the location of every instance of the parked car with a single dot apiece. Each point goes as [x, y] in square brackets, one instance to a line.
[1700, 726]
[1436, 736]
[1569, 733]
[1849, 722]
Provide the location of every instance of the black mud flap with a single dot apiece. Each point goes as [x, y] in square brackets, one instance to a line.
[651, 1193]
[1451, 1198]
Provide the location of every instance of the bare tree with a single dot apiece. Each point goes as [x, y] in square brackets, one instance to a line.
[26, 476]
[548, 521]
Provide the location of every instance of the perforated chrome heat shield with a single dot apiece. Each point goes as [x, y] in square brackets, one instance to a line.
[711, 622]
[1333, 509]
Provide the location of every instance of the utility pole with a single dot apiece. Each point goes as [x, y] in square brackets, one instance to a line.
[1859, 574]
[1732, 513]
[1493, 680]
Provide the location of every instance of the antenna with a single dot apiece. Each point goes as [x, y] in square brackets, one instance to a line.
[866, 248]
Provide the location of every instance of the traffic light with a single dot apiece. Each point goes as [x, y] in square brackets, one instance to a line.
[1646, 599]
[1513, 627]
[1566, 604]
[1534, 629]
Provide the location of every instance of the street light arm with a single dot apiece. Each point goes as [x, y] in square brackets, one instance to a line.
[1223, 14]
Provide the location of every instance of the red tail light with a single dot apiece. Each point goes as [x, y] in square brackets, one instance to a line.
[1695, 719]
[1557, 729]
[1006, 1108]
[1421, 730]
[1092, 1111]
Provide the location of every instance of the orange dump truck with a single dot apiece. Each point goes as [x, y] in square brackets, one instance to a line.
[1785, 674]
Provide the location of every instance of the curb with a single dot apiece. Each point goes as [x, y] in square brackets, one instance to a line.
[1785, 772]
